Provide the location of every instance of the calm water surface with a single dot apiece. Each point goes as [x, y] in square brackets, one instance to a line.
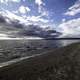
[16, 49]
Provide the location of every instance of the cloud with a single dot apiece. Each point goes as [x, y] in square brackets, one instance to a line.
[12, 16]
[73, 10]
[37, 19]
[2, 1]
[42, 10]
[23, 9]
[2, 19]
[63, 20]
[25, 19]
[21, 13]
[40, 4]
[3, 36]
[70, 27]
[17, 30]
[5, 1]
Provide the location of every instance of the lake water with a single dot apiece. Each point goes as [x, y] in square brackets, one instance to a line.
[15, 49]
[50, 43]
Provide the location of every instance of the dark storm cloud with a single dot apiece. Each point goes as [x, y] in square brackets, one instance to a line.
[15, 29]
[2, 19]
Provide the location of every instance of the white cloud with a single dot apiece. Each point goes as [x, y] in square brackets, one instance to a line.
[15, 0]
[44, 13]
[70, 27]
[41, 8]
[37, 19]
[12, 16]
[3, 35]
[73, 10]
[25, 19]
[40, 4]
[23, 9]
[3, 1]
[63, 20]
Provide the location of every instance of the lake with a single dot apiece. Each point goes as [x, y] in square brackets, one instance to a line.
[15, 49]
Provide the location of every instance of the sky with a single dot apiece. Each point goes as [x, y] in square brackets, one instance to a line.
[62, 15]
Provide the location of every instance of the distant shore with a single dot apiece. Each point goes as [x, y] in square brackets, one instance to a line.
[38, 38]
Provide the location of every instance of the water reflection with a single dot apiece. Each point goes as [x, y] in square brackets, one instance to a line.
[50, 43]
[15, 49]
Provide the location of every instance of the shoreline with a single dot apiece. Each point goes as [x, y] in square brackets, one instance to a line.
[42, 66]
